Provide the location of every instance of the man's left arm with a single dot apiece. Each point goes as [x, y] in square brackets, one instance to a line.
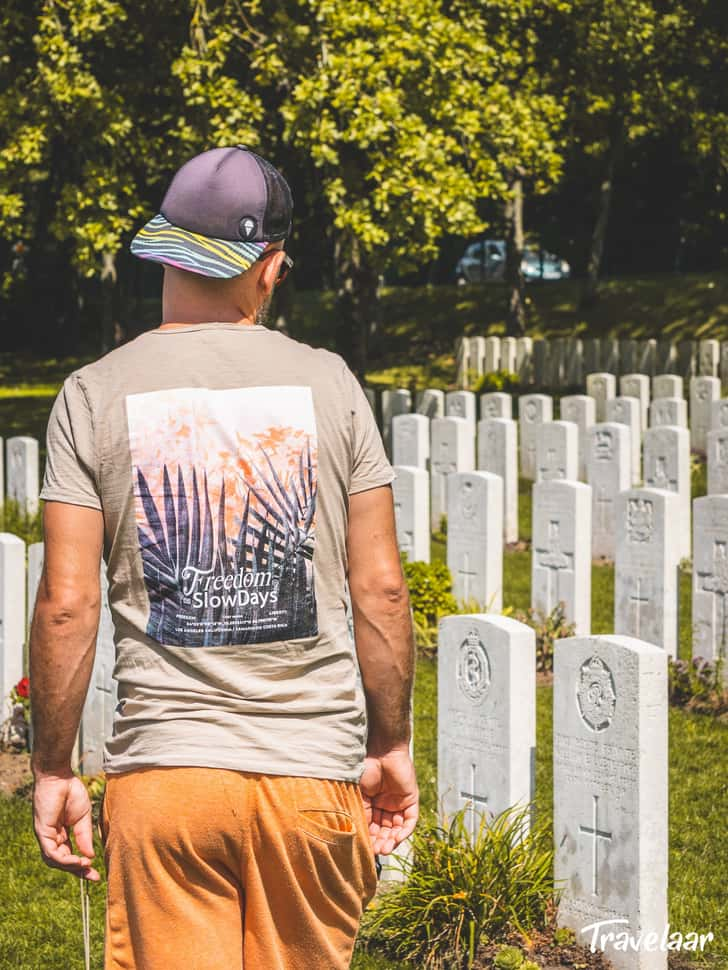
[62, 649]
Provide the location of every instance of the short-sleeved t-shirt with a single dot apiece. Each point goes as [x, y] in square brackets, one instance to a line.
[222, 457]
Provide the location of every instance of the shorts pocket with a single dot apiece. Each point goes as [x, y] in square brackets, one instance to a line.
[323, 813]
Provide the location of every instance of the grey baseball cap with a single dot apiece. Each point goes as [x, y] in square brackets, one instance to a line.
[221, 211]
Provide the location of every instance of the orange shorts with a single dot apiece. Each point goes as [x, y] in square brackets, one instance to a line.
[210, 869]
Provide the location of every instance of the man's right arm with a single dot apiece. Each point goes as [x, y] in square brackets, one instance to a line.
[385, 648]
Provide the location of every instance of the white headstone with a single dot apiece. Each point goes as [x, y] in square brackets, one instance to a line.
[626, 410]
[687, 358]
[592, 355]
[703, 392]
[666, 357]
[608, 473]
[98, 711]
[498, 454]
[411, 490]
[666, 462]
[556, 371]
[35, 569]
[411, 440]
[719, 414]
[667, 385]
[495, 404]
[717, 452]
[12, 615]
[708, 358]
[574, 366]
[477, 355]
[541, 363]
[610, 355]
[486, 716]
[492, 354]
[561, 551]
[646, 567]
[533, 411]
[508, 354]
[647, 357]
[581, 410]
[710, 578]
[431, 403]
[462, 361]
[461, 404]
[601, 387]
[475, 538]
[610, 794]
[669, 410]
[22, 472]
[524, 359]
[637, 385]
[394, 402]
[724, 362]
[452, 449]
[628, 357]
[557, 451]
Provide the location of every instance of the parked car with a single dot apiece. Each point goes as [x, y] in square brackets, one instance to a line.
[485, 262]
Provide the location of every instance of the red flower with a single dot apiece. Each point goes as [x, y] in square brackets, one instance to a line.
[22, 688]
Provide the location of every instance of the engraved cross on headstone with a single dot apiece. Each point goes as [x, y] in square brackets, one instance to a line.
[603, 503]
[638, 599]
[552, 467]
[466, 573]
[596, 834]
[471, 799]
[444, 465]
[660, 478]
[553, 559]
[716, 582]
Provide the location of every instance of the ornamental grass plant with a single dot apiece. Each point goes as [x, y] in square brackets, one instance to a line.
[463, 889]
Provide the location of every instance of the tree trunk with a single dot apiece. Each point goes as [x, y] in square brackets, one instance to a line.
[357, 302]
[599, 234]
[516, 316]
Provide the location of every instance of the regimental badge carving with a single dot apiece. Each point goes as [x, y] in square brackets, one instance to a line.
[640, 520]
[473, 669]
[702, 392]
[467, 500]
[531, 411]
[596, 695]
[603, 446]
[723, 416]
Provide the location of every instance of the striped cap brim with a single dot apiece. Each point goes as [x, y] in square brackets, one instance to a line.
[162, 242]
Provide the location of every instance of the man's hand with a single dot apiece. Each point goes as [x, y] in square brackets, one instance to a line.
[391, 798]
[61, 804]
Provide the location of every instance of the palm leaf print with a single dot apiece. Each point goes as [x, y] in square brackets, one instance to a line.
[208, 589]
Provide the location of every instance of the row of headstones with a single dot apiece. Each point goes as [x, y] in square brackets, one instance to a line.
[563, 361]
[647, 528]
[610, 766]
[634, 406]
[20, 573]
[22, 464]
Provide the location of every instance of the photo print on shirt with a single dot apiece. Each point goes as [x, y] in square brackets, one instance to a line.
[225, 485]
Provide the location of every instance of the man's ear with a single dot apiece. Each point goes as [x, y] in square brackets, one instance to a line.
[269, 272]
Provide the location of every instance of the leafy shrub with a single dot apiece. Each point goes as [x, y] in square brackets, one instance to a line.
[500, 380]
[462, 890]
[697, 685]
[440, 535]
[430, 590]
[549, 627]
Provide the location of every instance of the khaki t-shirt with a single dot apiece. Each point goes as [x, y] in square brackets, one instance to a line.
[222, 457]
